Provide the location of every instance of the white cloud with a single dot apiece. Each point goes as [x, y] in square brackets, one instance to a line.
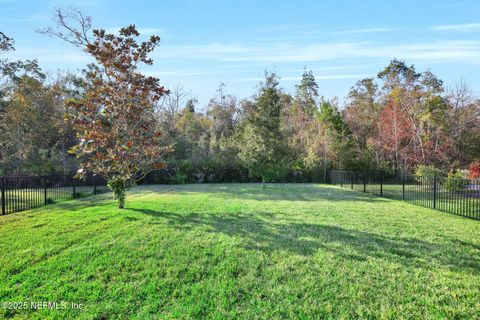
[215, 51]
[221, 57]
[150, 31]
[432, 52]
[466, 27]
[440, 51]
[291, 32]
[364, 30]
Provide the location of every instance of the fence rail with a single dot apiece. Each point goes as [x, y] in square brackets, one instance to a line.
[23, 193]
[457, 196]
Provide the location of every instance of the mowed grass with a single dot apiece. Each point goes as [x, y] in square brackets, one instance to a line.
[235, 251]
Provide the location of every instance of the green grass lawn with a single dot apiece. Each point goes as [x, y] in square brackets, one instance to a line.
[237, 251]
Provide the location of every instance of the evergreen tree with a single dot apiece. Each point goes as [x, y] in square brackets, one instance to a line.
[307, 93]
[339, 137]
[190, 106]
[262, 147]
[301, 125]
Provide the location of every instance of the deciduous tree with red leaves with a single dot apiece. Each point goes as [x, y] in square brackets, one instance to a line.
[413, 123]
[114, 119]
[474, 170]
[394, 138]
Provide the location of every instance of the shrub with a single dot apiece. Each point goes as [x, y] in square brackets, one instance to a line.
[474, 170]
[455, 181]
[178, 178]
[424, 173]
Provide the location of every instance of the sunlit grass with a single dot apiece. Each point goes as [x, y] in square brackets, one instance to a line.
[237, 251]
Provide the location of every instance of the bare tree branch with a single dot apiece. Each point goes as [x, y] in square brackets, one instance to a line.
[460, 95]
[172, 102]
[71, 26]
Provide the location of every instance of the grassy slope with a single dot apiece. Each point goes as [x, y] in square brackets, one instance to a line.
[236, 251]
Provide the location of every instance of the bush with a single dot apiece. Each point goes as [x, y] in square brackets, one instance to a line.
[178, 178]
[455, 181]
[474, 170]
[425, 173]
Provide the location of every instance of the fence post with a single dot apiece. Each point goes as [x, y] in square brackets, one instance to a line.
[94, 185]
[352, 174]
[44, 190]
[342, 176]
[434, 192]
[403, 187]
[381, 184]
[3, 195]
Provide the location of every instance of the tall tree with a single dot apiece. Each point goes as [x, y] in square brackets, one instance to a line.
[361, 114]
[306, 94]
[262, 147]
[393, 140]
[419, 97]
[14, 70]
[222, 110]
[170, 104]
[301, 123]
[339, 137]
[115, 119]
[32, 126]
[464, 122]
[191, 144]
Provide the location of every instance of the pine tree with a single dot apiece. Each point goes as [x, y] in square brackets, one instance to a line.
[263, 147]
[307, 93]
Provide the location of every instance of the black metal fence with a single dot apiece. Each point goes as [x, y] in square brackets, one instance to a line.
[24, 193]
[319, 175]
[457, 196]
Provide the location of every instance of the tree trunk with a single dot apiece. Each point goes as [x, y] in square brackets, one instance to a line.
[263, 183]
[121, 203]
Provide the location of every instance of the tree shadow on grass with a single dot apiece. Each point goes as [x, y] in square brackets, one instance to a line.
[80, 204]
[258, 233]
[273, 192]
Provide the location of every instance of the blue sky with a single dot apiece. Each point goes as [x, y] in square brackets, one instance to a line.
[205, 42]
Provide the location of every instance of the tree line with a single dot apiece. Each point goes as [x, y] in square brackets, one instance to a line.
[396, 122]
[399, 120]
